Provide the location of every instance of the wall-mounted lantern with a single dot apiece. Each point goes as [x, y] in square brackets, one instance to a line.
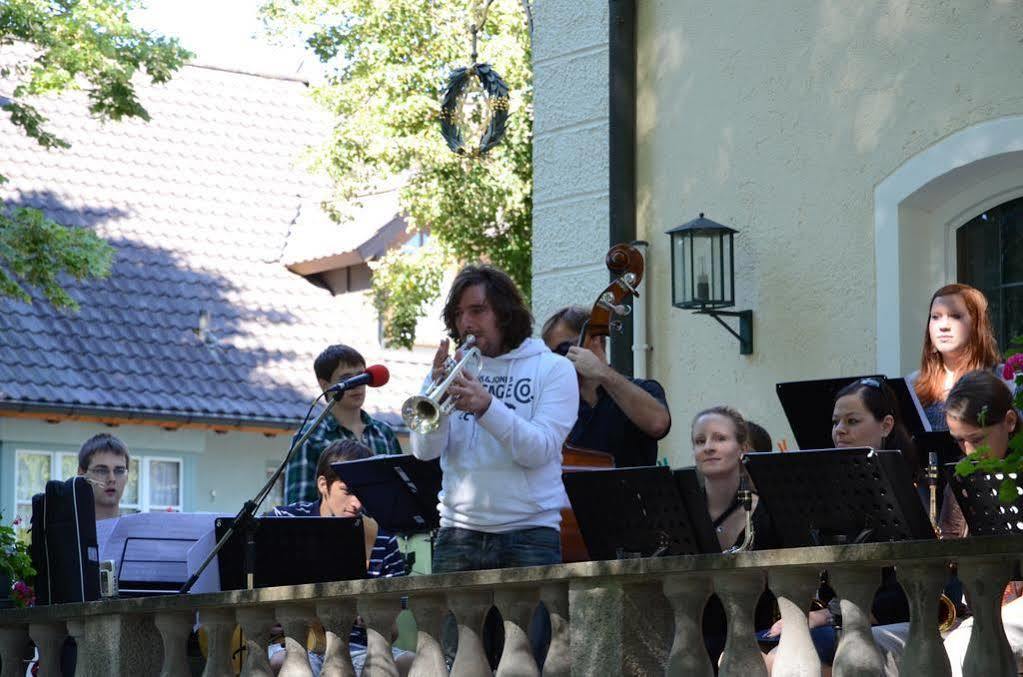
[703, 275]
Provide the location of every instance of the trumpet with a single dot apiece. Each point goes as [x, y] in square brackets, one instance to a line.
[423, 413]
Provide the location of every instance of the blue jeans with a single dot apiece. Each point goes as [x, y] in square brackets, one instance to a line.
[466, 550]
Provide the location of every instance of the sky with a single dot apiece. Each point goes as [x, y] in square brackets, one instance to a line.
[223, 33]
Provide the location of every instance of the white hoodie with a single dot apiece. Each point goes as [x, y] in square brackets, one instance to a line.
[502, 472]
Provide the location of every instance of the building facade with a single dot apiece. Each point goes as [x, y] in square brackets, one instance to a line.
[868, 153]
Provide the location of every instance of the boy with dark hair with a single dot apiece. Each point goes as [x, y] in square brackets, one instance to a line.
[347, 421]
[104, 460]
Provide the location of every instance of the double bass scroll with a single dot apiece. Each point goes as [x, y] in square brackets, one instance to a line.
[626, 263]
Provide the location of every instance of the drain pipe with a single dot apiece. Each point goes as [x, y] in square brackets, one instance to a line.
[622, 151]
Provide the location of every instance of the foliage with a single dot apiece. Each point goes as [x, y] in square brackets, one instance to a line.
[388, 64]
[35, 249]
[1012, 463]
[405, 282]
[84, 45]
[16, 563]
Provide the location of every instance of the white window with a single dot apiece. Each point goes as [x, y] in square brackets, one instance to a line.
[154, 482]
[32, 470]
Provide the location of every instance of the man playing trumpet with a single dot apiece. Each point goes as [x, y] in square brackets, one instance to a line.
[500, 449]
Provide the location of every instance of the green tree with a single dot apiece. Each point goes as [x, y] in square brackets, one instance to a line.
[85, 45]
[387, 70]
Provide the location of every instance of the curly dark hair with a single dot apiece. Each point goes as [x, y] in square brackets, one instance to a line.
[513, 316]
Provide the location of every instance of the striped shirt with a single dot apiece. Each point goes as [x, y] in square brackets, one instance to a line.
[300, 473]
[386, 559]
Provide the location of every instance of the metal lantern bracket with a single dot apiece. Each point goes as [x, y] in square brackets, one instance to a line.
[745, 333]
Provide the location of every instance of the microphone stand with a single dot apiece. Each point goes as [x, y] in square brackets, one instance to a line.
[245, 520]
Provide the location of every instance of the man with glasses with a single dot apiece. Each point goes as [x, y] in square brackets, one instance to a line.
[621, 416]
[103, 461]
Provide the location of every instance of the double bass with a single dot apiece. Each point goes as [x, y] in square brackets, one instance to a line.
[626, 263]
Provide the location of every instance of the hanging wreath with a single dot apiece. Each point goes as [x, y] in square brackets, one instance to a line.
[497, 99]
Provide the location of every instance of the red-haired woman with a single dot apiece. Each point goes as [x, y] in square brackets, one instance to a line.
[959, 339]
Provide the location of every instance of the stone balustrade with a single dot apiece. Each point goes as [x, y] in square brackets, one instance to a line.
[630, 617]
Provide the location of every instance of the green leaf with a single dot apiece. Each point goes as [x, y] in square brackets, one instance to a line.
[1007, 491]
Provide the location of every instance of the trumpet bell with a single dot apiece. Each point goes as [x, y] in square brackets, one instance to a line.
[421, 414]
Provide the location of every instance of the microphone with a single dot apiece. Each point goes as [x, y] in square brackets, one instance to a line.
[374, 377]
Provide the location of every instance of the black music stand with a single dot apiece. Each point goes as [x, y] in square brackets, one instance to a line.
[399, 491]
[294, 551]
[838, 496]
[808, 406]
[977, 496]
[637, 512]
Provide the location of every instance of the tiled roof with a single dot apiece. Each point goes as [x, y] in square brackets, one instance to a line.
[199, 204]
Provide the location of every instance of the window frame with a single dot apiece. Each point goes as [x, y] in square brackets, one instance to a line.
[144, 503]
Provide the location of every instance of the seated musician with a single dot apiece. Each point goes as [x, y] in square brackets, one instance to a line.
[865, 414]
[981, 417]
[720, 437]
[759, 438]
[618, 415]
[383, 559]
[104, 461]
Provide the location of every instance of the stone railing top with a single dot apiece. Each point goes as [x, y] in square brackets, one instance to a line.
[867, 554]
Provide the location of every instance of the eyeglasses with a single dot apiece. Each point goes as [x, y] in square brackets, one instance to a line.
[563, 347]
[102, 472]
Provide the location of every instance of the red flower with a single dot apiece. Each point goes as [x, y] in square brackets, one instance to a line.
[1013, 365]
[23, 594]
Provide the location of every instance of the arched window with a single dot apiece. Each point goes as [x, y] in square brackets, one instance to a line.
[989, 256]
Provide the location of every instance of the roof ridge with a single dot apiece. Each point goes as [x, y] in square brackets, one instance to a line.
[252, 73]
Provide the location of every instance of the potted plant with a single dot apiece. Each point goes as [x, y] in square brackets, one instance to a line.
[16, 572]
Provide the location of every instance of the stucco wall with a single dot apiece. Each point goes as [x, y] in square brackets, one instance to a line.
[570, 160]
[782, 124]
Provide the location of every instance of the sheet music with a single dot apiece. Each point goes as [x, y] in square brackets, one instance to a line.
[153, 547]
[919, 407]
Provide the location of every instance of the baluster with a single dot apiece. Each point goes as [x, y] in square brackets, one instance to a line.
[988, 652]
[795, 587]
[559, 654]
[219, 626]
[379, 614]
[174, 628]
[739, 592]
[294, 621]
[49, 637]
[925, 653]
[256, 623]
[517, 606]
[14, 650]
[76, 630]
[337, 618]
[470, 608]
[429, 611]
[857, 655]
[688, 594]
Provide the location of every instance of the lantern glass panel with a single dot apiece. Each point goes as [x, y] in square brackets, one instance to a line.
[705, 266]
[681, 284]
